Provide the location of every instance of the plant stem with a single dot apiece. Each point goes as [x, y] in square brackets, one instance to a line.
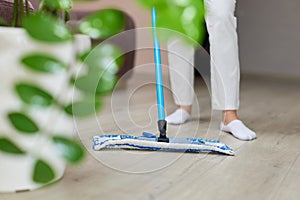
[21, 10]
[27, 7]
[41, 6]
[16, 13]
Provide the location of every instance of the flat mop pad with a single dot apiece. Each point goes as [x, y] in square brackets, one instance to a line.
[149, 142]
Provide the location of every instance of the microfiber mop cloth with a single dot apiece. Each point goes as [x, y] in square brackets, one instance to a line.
[149, 142]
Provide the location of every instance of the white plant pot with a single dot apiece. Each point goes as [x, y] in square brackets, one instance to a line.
[16, 171]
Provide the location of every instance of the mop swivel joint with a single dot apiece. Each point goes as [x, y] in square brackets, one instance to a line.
[162, 127]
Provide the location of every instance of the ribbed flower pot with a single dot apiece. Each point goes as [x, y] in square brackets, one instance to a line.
[31, 110]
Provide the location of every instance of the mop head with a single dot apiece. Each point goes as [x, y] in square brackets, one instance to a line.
[149, 142]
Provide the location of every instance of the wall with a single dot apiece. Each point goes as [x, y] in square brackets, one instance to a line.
[269, 36]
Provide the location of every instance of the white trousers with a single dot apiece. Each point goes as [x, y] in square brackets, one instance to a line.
[224, 61]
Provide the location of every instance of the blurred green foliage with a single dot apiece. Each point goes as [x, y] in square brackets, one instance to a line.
[183, 16]
[46, 28]
[103, 24]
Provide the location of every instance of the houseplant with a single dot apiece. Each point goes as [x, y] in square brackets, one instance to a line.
[38, 98]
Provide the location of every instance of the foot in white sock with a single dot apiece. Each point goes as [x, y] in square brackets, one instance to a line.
[178, 117]
[239, 130]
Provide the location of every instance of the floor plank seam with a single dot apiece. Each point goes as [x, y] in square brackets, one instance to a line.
[277, 188]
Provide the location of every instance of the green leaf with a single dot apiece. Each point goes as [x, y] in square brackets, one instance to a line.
[85, 107]
[106, 84]
[83, 0]
[103, 24]
[58, 4]
[43, 173]
[7, 146]
[87, 83]
[23, 123]
[81, 57]
[105, 57]
[97, 83]
[186, 18]
[150, 3]
[2, 22]
[183, 16]
[70, 149]
[43, 63]
[33, 95]
[46, 28]
[103, 63]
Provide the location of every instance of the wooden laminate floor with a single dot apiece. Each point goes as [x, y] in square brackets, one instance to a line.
[266, 168]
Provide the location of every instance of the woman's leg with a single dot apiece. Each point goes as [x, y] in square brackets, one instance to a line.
[225, 69]
[181, 59]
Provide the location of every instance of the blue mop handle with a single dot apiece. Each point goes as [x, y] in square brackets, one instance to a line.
[158, 71]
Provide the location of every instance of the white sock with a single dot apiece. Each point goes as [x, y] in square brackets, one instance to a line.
[178, 117]
[238, 129]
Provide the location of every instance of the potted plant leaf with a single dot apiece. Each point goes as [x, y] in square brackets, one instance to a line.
[179, 18]
[41, 90]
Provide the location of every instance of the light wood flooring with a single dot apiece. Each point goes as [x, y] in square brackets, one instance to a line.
[267, 168]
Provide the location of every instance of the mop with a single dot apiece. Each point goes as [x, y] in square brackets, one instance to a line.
[152, 142]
